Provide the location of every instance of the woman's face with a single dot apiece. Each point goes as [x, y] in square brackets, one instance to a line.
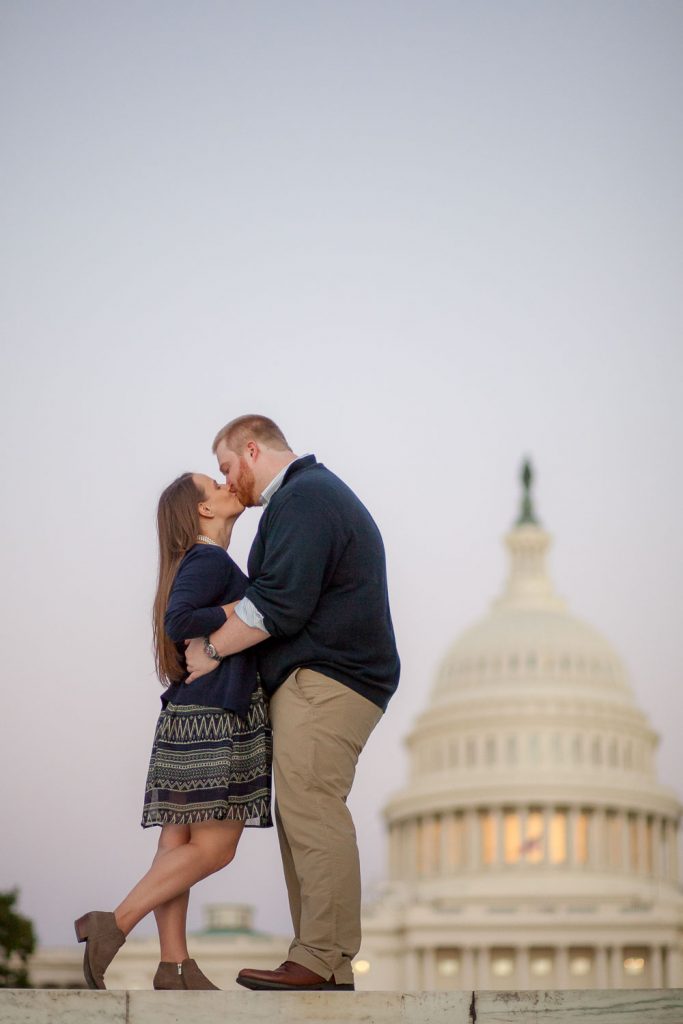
[221, 501]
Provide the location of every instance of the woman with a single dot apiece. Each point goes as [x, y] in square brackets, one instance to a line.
[211, 736]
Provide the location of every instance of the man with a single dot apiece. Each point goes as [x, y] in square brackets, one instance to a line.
[318, 603]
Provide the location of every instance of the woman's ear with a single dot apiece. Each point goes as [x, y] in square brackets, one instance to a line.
[205, 511]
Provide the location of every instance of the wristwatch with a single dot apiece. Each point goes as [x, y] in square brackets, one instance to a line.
[211, 651]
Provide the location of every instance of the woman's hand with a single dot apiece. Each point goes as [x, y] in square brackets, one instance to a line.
[229, 608]
[198, 663]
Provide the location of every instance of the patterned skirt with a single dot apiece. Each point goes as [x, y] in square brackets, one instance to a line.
[209, 763]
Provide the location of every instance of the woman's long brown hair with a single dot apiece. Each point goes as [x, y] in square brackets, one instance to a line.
[177, 526]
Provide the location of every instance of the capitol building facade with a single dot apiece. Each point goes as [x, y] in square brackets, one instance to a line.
[533, 846]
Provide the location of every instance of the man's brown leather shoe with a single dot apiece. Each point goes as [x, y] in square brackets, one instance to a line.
[290, 976]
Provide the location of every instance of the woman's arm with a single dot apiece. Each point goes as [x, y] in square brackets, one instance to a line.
[193, 608]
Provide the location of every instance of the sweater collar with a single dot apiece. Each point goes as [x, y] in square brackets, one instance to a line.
[276, 483]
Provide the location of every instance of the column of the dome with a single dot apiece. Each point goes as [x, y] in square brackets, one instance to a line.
[499, 856]
[469, 980]
[428, 968]
[472, 837]
[446, 836]
[411, 841]
[562, 967]
[625, 842]
[596, 838]
[665, 850]
[656, 972]
[642, 845]
[675, 967]
[393, 867]
[522, 961]
[401, 835]
[615, 964]
[572, 829]
[545, 843]
[411, 970]
[601, 967]
[674, 850]
[523, 814]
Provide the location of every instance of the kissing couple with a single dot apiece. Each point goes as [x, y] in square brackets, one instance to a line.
[291, 667]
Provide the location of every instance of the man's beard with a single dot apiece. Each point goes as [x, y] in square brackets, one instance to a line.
[245, 485]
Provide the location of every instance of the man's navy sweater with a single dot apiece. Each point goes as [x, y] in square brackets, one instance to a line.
[318, 577]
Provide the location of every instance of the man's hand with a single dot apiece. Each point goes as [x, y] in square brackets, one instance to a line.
[198, 663]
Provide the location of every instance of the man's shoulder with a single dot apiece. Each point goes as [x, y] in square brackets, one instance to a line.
[315, 483]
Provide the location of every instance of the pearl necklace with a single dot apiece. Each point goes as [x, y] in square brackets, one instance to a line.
[203, 539]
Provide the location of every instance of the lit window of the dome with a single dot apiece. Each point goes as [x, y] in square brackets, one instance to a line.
[447, 963]
[558, 838]
[541, 966]
[579, 966]
[634, 965]
[488, 837]
[361, 967]
[502, 966]
[581, 839]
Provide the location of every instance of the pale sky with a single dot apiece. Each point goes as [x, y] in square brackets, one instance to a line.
[427, 238]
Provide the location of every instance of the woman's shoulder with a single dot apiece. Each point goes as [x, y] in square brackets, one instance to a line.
[202, 550]
[212, 554]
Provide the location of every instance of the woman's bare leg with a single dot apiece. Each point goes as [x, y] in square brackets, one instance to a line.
[171, 917]
[211, 846]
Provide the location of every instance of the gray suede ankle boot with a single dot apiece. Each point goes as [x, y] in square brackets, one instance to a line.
[103, 939]
[185, 976]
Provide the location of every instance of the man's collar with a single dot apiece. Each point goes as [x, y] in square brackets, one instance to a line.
[277, 481]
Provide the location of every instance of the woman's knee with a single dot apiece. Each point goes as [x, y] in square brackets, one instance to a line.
[173, 836]
[217, 843]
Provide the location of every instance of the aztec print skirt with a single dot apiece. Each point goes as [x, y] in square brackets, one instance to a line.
[209, 763]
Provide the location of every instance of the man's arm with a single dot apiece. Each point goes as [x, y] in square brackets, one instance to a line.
[233, 636]
[302, 541]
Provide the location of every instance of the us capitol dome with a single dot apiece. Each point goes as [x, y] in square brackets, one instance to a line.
[533, 846]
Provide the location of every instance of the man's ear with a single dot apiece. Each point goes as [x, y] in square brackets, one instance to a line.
[252, 449]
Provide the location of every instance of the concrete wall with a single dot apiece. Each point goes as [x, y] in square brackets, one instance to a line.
[35, 1006]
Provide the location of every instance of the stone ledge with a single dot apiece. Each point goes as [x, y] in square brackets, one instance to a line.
[623, 1006]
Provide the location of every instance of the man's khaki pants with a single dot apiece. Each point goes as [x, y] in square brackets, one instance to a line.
[320, 727]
